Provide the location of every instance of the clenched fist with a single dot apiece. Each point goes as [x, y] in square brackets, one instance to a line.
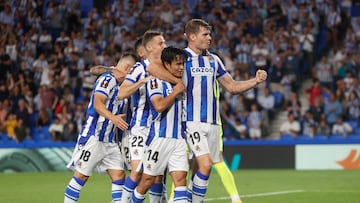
[261, 76]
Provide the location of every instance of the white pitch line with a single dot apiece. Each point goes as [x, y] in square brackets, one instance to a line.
[258, 195]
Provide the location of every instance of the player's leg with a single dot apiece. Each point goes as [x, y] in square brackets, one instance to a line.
[72, 192]
[154, 163]
[117, 183]
[180, 190]
[228, 180]
[139, 193]
[136, 150]
[178, 167]
[112, 164]
[156, 190]
[164, 198]
[203, 140]
[225, 174]
[83, 162]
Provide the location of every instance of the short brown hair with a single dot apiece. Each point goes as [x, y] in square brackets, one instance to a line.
[149, 35]
[193, 26]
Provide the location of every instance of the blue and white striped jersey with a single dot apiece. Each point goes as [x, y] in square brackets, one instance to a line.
[139, 100]
[97, 125]
[200, 75]
[167, 123]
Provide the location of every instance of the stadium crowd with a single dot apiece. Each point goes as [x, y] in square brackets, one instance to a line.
[47, 48]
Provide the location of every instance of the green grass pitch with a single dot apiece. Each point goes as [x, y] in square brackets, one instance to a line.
[255, 186]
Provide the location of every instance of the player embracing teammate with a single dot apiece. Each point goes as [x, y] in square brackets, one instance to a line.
[180, 107]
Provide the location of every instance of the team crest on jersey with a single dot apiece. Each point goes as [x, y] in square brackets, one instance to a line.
[148, 166]
[197, 148]
[105, 82]
[136, 152]
[153, 84]
[79, 164]
[211, 59]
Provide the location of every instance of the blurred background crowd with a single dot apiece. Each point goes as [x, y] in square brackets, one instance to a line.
[310, 49]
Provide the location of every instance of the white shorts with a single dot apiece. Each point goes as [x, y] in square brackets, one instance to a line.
[255, 133]
[125, 150]
[137, 142]
[165, 152]
[203, 138]
[94, 154]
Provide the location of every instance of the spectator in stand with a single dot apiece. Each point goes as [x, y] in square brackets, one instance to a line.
[70, 132]
[307, 42]
[287, 81]
[15, 96]
[352, 107]
[48, 99]
[318, 109]
[324, 72]
[9, 126]
[314, 92]
[267, 103]
[308, 124]
[294, 105]
[354, 87]
[332, 23]
[21, 131]
[341, 128]
[255, 121]
[240, 129]
[260, 55]
[56, 130]
[323, 128]
[290, 126]
[43, 118]
[242, 51]
[3, 111]
[23, 113]
[277, 73]
[332, 110]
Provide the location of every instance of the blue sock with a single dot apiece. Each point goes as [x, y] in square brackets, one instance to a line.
[128, 188]
[155, 192]
[200, 185]
[137, 197]
[73, 189]
[180, 193]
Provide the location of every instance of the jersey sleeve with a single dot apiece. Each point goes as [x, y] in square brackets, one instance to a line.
[136, 73]
[221, 70]
[154, 87]
[104, 84]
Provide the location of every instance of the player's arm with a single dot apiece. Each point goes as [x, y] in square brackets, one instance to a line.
[99, 105]
[236, 87]
[161, 73]
[98, 70]
[127, 88]
[162, 103]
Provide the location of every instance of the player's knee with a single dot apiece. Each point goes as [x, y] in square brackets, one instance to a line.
[179, 179]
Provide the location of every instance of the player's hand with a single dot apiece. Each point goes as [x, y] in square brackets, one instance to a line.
[146, 79]
[261, 76]
[179, 88]
[120, 122]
